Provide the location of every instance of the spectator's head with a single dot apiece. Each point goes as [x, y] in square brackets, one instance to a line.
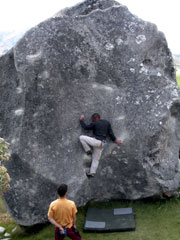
[62, 190]
[95, 117]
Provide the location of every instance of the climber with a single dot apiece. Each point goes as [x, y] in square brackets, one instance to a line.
[95, 145]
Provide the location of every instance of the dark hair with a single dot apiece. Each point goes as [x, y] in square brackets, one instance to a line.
[95, 115]
[62, 189]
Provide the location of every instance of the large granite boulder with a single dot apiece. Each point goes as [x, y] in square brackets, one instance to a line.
[94, 57]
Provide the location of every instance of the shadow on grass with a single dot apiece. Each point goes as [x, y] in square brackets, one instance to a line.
[34, 229]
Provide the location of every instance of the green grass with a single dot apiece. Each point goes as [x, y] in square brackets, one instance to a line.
[155, 220]
[178, 79]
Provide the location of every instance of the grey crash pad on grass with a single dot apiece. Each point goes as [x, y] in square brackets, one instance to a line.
[109, 220]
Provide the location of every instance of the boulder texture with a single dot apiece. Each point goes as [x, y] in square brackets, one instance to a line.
[93, 57]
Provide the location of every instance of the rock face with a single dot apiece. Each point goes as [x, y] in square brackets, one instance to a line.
[94, 57]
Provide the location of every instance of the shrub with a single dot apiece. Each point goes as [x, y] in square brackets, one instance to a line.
[4, 156]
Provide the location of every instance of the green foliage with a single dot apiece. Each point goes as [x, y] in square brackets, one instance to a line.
[3, 207]
[4, 156]
[178, 79]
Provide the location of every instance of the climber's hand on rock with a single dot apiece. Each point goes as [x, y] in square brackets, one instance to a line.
[82, 117]
[118, 142]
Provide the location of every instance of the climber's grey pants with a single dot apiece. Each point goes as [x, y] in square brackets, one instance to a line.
[97, 150]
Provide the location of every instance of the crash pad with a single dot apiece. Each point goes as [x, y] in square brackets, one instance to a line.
[109, 220]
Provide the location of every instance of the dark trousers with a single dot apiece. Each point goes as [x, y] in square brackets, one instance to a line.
[70, 233]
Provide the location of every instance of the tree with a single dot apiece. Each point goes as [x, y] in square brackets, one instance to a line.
[4, 156]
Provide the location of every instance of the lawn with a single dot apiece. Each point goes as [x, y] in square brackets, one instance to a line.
[155, 220]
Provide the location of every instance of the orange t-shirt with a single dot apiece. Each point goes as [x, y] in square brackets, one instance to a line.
[63, 210]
